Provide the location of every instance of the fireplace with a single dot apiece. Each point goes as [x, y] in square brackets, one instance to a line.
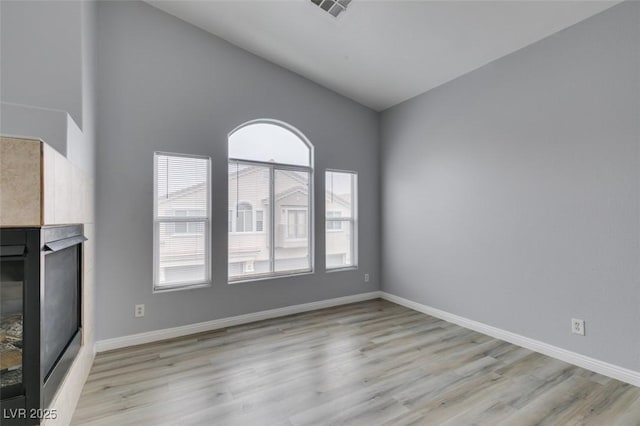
[40, 317]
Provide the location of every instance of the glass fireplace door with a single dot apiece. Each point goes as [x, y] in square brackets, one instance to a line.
[12, 282]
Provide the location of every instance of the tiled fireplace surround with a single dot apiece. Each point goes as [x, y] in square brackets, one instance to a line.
[39, 186]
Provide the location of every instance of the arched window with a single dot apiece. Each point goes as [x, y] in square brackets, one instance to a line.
[270, 142]
[270, 204]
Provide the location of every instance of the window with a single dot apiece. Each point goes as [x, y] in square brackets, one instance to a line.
[259, 221]
[181, 221]
[244, 218]
[334, 225]
[341, 226]
[296, 223]
[270, 193]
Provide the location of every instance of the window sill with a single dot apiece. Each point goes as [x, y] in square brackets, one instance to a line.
[180, 287]
[342, 269]
[268, 277]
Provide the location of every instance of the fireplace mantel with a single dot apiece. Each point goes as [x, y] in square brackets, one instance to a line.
[39, 186]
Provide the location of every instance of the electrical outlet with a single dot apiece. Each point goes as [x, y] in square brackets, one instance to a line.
[366, 278]
[139, 311]
[577, 326]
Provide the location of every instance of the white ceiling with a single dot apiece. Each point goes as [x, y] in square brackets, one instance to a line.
[380, 53]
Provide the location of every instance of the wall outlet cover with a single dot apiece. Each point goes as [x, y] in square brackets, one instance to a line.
[577, 326]
[139, 311]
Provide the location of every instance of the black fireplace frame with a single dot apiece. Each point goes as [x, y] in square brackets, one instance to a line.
[39, 386]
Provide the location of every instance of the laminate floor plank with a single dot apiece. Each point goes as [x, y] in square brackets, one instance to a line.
[368, 363]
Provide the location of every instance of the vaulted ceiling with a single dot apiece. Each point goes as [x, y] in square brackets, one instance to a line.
[380, 53]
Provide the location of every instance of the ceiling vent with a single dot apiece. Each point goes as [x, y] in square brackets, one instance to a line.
[333, 7]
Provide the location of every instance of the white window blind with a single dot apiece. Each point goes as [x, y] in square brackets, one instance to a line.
[182, 208]
[341, 219]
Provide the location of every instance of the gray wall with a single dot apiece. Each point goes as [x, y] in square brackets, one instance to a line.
[166, 85]
[41, 44]
[47, 71]
[511, 195]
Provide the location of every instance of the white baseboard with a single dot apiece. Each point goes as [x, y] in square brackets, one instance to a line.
[170, 333]
[601, 367]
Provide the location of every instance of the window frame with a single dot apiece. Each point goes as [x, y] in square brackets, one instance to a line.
[273, 167]
[158, 220]
[285, 126]
[270, 221]
[353, 220]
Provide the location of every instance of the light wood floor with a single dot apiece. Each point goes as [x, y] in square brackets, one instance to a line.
[369, 363]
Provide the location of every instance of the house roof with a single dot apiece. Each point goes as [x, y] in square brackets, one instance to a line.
[245, 170]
